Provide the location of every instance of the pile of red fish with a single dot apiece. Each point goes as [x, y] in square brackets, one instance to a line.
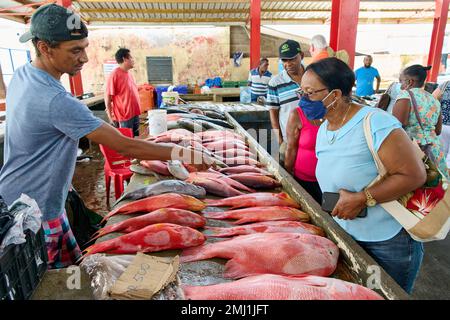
[272, 252]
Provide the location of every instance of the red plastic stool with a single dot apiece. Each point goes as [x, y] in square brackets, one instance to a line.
[116, 167]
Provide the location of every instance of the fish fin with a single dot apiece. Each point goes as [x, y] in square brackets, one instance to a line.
[235, 269]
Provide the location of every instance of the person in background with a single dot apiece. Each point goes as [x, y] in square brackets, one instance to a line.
[442, 93]
[318, 48]
[301, 159]
[45, 123]
[122, 95]
[346, 166]
[412, 81]
[282, 97]
[393, 91]
[258, 79]
[365, 77]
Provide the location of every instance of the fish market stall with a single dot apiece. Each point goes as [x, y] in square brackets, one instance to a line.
[353, 264]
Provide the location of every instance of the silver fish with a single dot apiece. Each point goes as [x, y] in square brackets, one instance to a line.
[165, 186]
[177, 169]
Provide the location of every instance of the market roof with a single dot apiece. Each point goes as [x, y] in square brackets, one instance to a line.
[228, 12]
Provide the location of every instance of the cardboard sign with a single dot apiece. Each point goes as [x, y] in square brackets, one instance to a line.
[145, 276]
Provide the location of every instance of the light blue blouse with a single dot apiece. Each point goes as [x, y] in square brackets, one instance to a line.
[348, 164]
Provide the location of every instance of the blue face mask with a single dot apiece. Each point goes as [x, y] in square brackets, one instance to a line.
[313, 110]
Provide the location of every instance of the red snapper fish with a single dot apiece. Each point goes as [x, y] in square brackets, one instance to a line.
[167, 200]
[257, 214]
[214, 186]
[165, 215]
[255, 180]
[153, 238]
[259, 199]
[264, 227]
[276, 287]
[276, 253]
[157, 166]
[245, 169]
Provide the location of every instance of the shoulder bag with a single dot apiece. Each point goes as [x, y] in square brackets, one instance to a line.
[425, 212]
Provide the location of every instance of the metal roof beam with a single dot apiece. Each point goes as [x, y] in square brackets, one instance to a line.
[213, 11]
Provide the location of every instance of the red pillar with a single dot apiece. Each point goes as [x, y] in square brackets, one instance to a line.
[437, 38]
[76, 82]
[344, 27]
[255, 33]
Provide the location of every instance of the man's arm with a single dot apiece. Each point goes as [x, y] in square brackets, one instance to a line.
[273, 102]
[108, 107]
[293, 128]
[378, 84]
[275, 122]
[145, 150]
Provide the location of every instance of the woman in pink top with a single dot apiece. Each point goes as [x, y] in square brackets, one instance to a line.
[301, 157]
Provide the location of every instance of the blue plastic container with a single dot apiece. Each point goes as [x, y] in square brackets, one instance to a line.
[160, 89]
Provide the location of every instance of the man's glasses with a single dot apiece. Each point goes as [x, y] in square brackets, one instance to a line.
[303, 93]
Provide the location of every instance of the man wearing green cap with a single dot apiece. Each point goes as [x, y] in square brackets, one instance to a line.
[282, 97]
[45, 124]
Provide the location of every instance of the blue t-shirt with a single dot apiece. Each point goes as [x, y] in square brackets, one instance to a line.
[348, 164]
[364, 81]
[43, 126]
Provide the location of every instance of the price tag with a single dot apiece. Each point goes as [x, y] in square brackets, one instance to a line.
[145, 276]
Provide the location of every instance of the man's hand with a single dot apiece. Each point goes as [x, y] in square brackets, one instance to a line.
[350, 204]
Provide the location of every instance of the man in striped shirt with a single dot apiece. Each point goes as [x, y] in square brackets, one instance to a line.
[258, 79]
[282, 97]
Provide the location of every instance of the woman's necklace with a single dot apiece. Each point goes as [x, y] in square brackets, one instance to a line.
[333, 139]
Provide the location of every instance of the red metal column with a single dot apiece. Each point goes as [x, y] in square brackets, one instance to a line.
[437, 38]
[255, 33]
[76, 82]
[344, 27]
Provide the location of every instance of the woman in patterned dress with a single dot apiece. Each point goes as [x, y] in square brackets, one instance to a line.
[442, 93]
[412, 81]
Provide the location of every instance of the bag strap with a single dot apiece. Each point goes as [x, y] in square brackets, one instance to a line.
[394, 208]
[369, 139]
[414, 105]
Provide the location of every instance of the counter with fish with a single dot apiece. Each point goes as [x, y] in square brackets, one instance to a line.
[244, 230]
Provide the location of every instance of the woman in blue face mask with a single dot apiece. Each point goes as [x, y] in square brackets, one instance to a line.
[346, 166]
[302, 128]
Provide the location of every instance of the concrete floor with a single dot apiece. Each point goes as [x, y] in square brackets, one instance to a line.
[434, 277]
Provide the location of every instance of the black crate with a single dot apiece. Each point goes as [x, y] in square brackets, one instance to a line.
[22, 267]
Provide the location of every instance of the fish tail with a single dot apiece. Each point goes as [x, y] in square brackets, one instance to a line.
[109, 215]
[213, 202]
[196, 253]
[217, 232]
[242, 221]
[105, 230]
[215, 215]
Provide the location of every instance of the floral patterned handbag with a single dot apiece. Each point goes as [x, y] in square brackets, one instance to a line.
[425, 212]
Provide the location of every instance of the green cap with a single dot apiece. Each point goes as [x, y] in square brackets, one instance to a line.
[55, 23]
[289, 49]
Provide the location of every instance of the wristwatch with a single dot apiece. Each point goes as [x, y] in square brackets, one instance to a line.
[370, 201]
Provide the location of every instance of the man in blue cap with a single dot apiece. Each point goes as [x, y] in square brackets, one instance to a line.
[44, 124]
[282, 95]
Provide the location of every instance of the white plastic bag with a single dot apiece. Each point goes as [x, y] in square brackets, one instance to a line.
[27, 216]
[103, 271]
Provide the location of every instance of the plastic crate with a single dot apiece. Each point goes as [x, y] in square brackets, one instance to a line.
[230, 84]
[22, 267]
